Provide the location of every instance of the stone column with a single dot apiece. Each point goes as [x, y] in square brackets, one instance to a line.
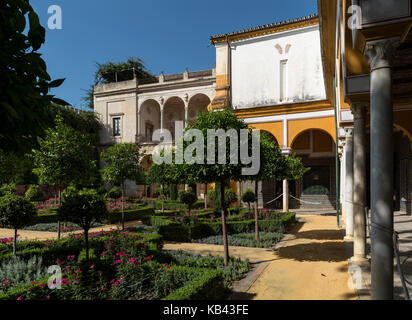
[162, 107]
[342, 181]
[186, 115]
[286, 151]
[285, 196]
[359, 183]
[349, 184]
[380, 54]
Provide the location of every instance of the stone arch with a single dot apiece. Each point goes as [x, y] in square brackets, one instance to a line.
[149, 111]
[305, 140]
[173, 110]
[197, 103]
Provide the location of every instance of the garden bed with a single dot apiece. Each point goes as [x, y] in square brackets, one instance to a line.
[122, 265]
[267, 240]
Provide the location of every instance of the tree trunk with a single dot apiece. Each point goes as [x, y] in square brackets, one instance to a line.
[205, 196]
[86, 242]
[256, 214]
[122, 206]
[58, 221]
[163, 200]
[15, 242]
[224, 231]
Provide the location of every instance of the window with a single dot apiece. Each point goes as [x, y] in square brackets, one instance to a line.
[116, 127]
[283, 80]
[149, 132]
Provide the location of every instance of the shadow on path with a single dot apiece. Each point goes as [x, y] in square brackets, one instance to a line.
[331, 251]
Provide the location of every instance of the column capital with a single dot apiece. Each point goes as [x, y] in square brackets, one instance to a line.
[359, 109]
[380, 53]
[349, 132]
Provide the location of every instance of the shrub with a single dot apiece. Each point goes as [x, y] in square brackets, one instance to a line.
[101, 191]
[7, 189]
[115, 193]
[267, 240]
[16, 212]
[84, 208]
[188, 198]
[17, 271]
[248, 196]
[34, 193]
[141, 213]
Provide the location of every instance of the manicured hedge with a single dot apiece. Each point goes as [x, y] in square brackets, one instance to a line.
[114, 216]
[47, 217]
[130, 215]
[177, 205]
[172, 231]
[207, 284]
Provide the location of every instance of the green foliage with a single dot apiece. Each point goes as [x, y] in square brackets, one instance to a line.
[173, 191]
[109, 71]
[206, 285]
[130, 215]
[295, 170]
[234, 271]
[230, 197]
[210, 173]
[66, 157]
[83, 207]
[101, 190]
[115, 193]
[122, 163]
[16, 271]
[8, 167]
[15, 211]
[248, 196]
[25, 83]
[267, 240]
[7, 189]
[188, 198]
[34, 193]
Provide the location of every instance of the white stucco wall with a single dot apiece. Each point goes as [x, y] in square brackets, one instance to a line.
[256, 68]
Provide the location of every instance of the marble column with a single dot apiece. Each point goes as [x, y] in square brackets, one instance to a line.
[162, 107]
[342, 182]
[359, 183]
[349, 183]
[286, 152]
[380, 54]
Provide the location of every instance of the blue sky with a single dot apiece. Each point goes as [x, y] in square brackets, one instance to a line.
[167, 35]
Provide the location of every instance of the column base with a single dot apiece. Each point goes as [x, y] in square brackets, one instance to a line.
[359, 261]
[348, 238]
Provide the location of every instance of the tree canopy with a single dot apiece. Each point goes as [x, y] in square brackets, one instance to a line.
[117, 71]
[65, 157]
[25, 83]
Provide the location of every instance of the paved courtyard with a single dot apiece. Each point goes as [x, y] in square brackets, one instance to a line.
[311, 264]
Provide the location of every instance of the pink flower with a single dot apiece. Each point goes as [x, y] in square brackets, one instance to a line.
[20, 298]
[92, 266]
[118, 261]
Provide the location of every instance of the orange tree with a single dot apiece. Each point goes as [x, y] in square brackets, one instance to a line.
[218, 168]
